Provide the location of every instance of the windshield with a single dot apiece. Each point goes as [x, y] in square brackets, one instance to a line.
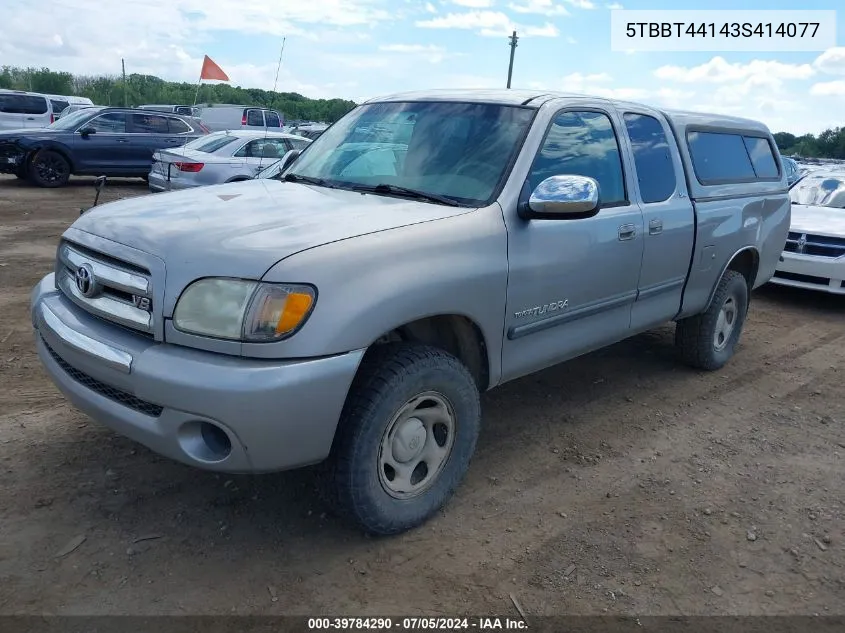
[824, 190]
[73, 120]
[453, 150]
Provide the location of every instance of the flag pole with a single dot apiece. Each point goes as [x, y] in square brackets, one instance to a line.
[197, 93]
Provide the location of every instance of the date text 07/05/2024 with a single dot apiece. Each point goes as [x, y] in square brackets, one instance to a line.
[416, 623]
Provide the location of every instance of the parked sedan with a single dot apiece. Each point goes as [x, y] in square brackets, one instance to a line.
[94, 141]
[220, 157]
[814, 255]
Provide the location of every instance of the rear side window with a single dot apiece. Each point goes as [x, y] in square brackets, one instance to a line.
[149, 123]
[186, 110]
[273, 119]
[178, 126]
[22, 104]
[254, 117]
[652, 157]
[723, 158]
[58, 106]
[762, 157]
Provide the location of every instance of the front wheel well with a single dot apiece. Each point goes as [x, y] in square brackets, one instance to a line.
[458, 335]
[58, 150]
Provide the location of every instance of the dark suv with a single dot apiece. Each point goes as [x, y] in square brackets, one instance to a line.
[94, 141]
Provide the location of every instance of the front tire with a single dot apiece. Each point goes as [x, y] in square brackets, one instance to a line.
[405, 439]
[707, 340]
[49, 169]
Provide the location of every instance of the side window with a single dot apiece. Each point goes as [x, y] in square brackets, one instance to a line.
[255, 117]
[11, 104]
[186, 110]
[273, 119]
[719, 157]
[149, 124]
[114, 122]
[652, 157]
[762, 157]
[34, 105]
[58, 106]
[177, 126]
[582, 144]
[259, 148]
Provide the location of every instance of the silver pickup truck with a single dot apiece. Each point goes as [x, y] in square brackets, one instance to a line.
[426, 248]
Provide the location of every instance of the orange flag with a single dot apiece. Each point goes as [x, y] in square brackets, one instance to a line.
[210, 70]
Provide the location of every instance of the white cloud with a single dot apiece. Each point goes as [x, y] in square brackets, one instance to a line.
[581, 4]
[474, 4]
[540, 7]
[829, 89]
[411, 48]
[832, 61]
[488, 23]
[613, 6]
[718, 70]
[430, 7]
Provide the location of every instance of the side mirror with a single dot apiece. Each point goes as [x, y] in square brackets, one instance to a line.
[87, 131]
[563, 198]
[288, 158]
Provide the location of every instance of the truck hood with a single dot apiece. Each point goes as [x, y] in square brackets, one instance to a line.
[242, 229]
[817, 220]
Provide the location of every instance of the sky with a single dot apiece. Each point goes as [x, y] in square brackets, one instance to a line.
[359, 49]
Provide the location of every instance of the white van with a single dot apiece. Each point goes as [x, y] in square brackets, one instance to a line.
[21, 109]
[236, 117]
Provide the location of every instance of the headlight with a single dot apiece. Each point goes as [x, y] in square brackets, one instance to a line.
[243, 310]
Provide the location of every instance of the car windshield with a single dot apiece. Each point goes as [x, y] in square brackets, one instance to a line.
[451, 150]
[73, 120]
[210, 143]
[824, 190]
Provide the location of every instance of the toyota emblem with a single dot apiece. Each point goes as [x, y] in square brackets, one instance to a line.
[85, 282]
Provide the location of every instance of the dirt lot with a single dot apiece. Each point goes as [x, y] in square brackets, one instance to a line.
[619, 483]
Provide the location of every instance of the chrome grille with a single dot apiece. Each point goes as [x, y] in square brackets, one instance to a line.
[818, 245]
[119, 292]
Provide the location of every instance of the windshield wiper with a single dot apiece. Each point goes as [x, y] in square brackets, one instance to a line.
[320, 182]
[407, 193]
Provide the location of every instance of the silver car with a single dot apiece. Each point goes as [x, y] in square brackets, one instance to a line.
[218, 158]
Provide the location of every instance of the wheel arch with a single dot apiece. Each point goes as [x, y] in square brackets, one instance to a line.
[61, 150]
[456, 334]
[745, 261]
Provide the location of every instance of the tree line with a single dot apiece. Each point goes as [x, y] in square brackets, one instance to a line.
[140, 89]
[828, 144]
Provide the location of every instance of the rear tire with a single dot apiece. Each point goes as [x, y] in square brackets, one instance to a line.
[405, 438]
[49, 169]
[707, 340]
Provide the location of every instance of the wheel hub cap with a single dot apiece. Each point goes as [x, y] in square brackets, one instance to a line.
[409, 441]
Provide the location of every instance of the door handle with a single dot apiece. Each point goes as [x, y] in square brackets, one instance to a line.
[30, 118]
[655, 227]
[121, 140]
[627, 232]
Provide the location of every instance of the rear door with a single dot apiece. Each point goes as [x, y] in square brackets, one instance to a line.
[106, 149]
[36, 111]
[272, 118]
[254, 118]
[150, 132]
[11, 111]
[260, 153]
[668, 217]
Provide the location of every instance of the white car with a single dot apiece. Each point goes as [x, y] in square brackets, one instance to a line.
[814, 255]
[219, 157]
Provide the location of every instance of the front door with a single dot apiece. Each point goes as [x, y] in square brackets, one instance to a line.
[107, 148]
[571, 283]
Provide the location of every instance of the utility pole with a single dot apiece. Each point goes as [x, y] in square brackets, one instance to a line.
[125, 99]
[513, 39]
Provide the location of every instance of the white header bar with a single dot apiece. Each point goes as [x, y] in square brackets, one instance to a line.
[722, 31]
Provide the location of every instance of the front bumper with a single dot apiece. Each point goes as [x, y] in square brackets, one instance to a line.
[207, 410]
[812, 272]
